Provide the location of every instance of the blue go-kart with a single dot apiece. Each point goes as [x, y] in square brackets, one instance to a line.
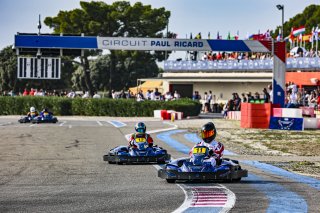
[196, 168]
[27, 119]
[45, 117]
[143, 153]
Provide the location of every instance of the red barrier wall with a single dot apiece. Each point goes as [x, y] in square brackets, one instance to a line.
[255, 115]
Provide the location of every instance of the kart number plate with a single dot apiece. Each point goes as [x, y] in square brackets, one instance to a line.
[199, 150]
[140, 140]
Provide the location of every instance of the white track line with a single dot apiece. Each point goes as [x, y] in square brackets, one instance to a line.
[100, 124]
[117, 124]
[63, 123]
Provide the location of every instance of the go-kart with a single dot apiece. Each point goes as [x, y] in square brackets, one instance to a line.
[142, 153]
[44, 118]
[28, 119]
[197, 168]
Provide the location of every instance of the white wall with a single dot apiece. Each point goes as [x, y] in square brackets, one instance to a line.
[226, 89]
[223, 88]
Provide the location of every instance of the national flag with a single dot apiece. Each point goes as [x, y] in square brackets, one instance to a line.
[236, 37]
[312, 35]
[219, 36]
[198, 36]
[247, 36]
[291, 36]
[279, 36]
[316, 34]
[299, 30]
[300, 37]
[257, 37]
[267, 35]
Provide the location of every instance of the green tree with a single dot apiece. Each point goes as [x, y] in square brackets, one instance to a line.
[8, 67]
[308, 18]
[118, 19]
[9, 80]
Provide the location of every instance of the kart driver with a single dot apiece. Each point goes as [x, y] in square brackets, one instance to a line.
[208, 134]
[140, 135]
[33, 112]
[45, 112]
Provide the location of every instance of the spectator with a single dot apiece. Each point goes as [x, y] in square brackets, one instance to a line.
[304, 98]
[31, 92]
[168, 96]
[236, 102]
[270, 93]
[148, 95]
[176, 95]
[86, 95]
[292, 100]
[122, 94]
[157, 94]
[196, 96]
[266, 96]
[25, 92]
[140, 96]
[71, 94]
[257, 97]
[96, 95]
[250, 98]
[312, 99]
[244, 98]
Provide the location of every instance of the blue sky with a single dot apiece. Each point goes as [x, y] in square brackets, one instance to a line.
[187, 16]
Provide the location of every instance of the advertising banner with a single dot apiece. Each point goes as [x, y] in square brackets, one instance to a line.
[286, 123]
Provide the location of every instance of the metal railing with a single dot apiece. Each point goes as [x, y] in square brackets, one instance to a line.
[265, 65]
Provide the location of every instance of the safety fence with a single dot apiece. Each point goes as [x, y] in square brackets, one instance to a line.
[264, 64]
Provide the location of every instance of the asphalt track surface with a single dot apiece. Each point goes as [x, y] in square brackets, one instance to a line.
[59, 168]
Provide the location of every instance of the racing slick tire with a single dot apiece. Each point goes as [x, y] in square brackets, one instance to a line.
[171, 180]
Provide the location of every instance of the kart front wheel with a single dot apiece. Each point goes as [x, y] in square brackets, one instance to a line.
[236, 180]
[111, 162]
[171, 180]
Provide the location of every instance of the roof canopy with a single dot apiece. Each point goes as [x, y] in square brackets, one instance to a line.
[147, 85]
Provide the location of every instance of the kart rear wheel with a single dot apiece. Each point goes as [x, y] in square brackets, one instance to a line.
[120, 163]
[111, 162]
[171, 180]
[236, 180]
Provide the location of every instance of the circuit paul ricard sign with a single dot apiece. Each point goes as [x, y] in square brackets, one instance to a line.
[25, 41]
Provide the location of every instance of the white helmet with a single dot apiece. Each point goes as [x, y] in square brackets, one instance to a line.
[32, 109]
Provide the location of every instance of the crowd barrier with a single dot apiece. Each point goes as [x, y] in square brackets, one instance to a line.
[168, 115]
[265, 64]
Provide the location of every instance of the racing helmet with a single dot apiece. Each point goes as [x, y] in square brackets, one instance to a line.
[140, 127]
[208, 132]
[32, 109]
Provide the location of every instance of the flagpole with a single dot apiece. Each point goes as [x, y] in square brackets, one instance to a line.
[317, 38]
[317, 47]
